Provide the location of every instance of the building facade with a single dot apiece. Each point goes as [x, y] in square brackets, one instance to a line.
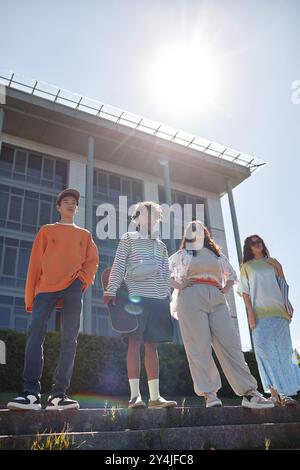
[44, 150]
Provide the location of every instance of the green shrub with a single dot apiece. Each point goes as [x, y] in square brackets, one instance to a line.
[100, 366]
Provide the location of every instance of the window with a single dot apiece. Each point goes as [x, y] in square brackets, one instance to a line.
[23, 261]
[3, 204]
[45, 213]
[15, 208]
[114, 185]
[6, 160]
[4, 317]
[20, 161]
[30, 212]
[34, 168]
[102, 183]
[9, 263]
[181, 199]
[60, 174]
[126, 188]
[137, 191]
[48, 168]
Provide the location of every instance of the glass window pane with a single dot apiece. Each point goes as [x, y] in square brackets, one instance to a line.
[180, 198]
[4, 317]
[23, 263]
[6, 300]
[126, 188]
[3, 205]
[11, 241]
[18, 191]
[6, 159]
[20, 161]
[30, 211]
[60, 174]
[137, 191]
[15, 208]
[114, 185]
[161, 195]
[34, 165]
[9, 261]
[102, 183]
[48, 168]
[45, 213]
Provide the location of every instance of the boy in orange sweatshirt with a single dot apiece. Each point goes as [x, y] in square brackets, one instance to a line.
[63, 263]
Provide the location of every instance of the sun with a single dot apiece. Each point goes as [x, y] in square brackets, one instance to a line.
[185, 77]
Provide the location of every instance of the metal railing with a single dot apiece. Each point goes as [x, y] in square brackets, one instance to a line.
[101, 110]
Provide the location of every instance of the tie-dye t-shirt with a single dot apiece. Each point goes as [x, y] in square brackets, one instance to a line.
[205, 265]
[258, 280]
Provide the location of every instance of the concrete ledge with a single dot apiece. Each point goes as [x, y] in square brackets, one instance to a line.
[251, 436]
[87, 420]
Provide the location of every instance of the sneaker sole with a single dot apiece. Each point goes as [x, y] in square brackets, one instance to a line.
[161, 406]
[20, 407]
[61, 408]
[257, 406]
[136, 407]
[215, 405]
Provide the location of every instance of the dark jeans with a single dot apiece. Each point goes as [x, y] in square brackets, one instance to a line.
[44, 303]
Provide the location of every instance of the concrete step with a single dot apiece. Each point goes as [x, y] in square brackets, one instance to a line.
[239, 436]
[120, 419]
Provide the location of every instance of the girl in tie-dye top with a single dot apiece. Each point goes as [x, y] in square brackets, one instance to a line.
[258, 280]
[269, 322]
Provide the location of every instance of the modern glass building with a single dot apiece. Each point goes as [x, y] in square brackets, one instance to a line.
[51, 139]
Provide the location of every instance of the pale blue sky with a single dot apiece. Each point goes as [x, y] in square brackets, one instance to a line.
[106, 49]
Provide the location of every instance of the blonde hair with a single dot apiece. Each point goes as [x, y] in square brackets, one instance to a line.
[151, 206]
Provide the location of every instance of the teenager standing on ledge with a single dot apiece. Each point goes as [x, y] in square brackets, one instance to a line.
[63, 263]
[269, 321]
[151, 294]
[202, 277]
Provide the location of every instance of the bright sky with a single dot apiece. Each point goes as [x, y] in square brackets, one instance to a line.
[232, 67]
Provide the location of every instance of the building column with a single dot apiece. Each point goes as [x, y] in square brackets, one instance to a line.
[165, 164]
[77, 180]
[236, 235]
[234, 220]
[87, 305]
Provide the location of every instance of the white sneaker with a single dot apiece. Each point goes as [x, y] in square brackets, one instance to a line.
[26, 401]
[212, 400]
[255, 400]
[61, 402]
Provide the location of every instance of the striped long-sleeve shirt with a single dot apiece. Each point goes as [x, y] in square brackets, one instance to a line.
[131, 249]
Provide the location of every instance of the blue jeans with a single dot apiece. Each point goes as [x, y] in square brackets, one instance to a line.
[43, 305]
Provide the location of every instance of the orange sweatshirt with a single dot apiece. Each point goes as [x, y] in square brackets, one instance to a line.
[60, 254]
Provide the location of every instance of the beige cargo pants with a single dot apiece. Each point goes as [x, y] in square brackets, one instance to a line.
[205, 322]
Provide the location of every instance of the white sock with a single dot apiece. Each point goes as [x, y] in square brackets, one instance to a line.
[153, 389]
[134, 388]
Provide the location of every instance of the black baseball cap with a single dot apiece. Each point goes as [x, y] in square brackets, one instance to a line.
[68, 192]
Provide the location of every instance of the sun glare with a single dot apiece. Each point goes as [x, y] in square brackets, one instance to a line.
[185, 77]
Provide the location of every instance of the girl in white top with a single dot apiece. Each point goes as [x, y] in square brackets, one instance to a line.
[201, 276]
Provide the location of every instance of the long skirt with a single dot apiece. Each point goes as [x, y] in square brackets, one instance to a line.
[277, 365]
